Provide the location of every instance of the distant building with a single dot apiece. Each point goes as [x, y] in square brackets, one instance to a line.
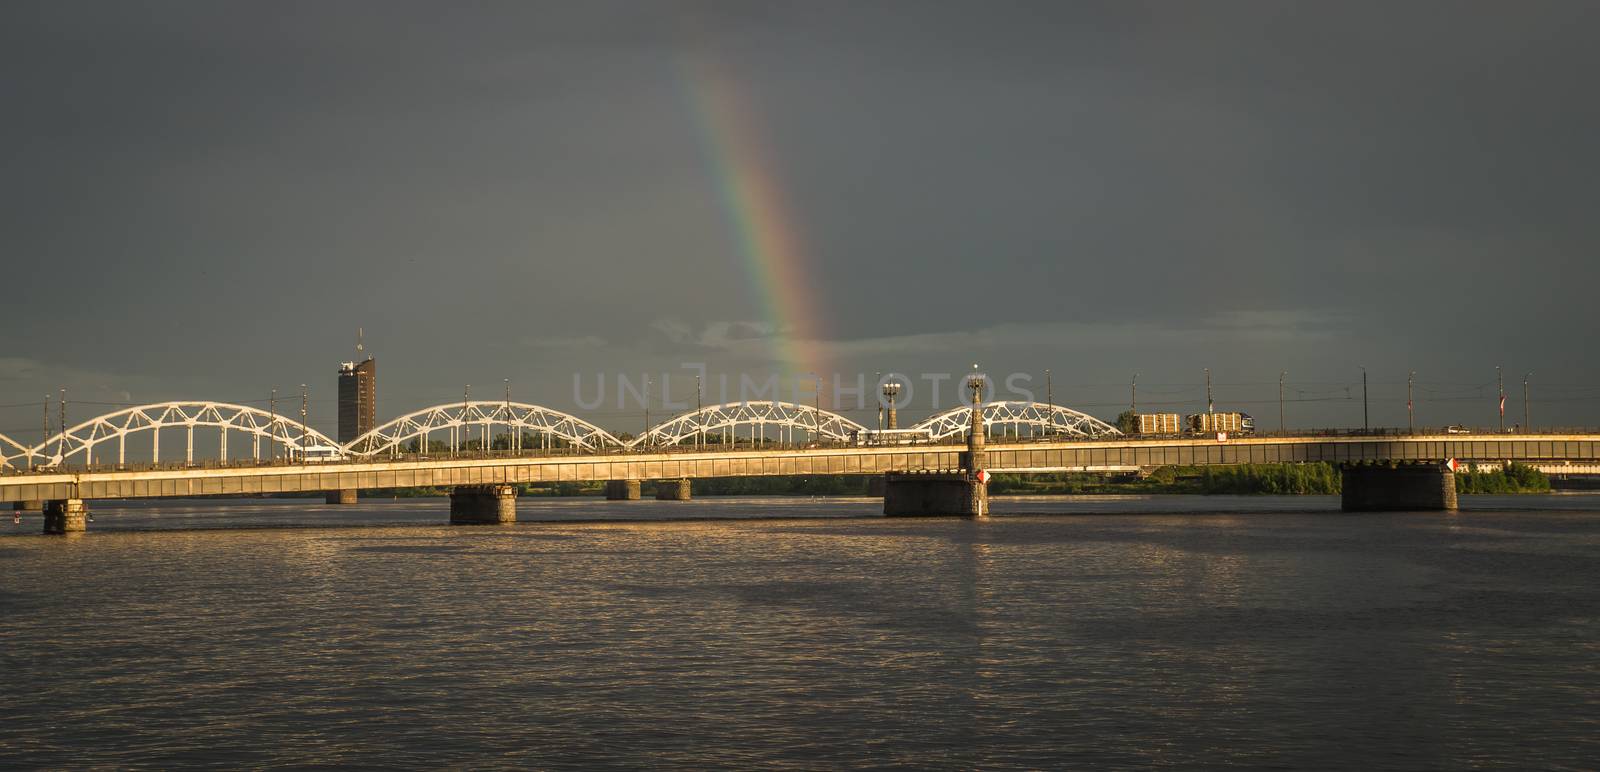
[358, 398]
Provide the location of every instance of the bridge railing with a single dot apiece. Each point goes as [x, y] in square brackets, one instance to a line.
[745, 445]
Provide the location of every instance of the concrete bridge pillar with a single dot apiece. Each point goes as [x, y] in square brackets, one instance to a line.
[622, 490]
[483, 505]
[1405, 488]
[955, 494]
[65, 516]
[672, 490]
[345, 496]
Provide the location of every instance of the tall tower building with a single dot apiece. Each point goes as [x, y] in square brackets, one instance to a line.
[358, 397]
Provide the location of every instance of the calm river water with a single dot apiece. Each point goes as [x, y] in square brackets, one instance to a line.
[1086, 632]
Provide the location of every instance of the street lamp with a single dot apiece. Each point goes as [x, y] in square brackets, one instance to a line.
[1527, 424]
[1500, 383]
[1281, 375]
[1411, 419]
[1366, 423]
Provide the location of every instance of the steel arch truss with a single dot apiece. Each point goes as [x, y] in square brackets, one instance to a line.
[513, 417]
[12, 453]
[84, 438]
[714, 420]
[1041, 419]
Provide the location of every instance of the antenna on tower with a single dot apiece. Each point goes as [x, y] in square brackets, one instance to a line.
[360, 347]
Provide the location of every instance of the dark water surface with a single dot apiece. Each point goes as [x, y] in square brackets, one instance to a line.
[1172, 631]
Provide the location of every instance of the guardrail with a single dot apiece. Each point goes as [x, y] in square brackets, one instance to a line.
[747, 446]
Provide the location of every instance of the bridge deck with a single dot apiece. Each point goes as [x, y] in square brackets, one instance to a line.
[1003, 457]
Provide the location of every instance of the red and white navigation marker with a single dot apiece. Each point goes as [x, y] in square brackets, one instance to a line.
[983, 476]
[1452, 465]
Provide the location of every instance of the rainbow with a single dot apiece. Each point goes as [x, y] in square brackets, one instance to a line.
[744, 171]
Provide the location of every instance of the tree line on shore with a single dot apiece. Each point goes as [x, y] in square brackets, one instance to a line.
[1318, 478]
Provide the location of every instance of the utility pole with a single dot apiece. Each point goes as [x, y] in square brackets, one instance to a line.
[1133, 404]
[1366, 423]
[699, 420]
[46, 438]
[1500, 381]
[1281, 375]
[273, 402]
[513, 434]
[1411, 416]
[61, 440]
[647, 383]
[466, 428]
[1209, 404]
[1050, 399]
[877, 378]
[305, 410]
[1527, 425]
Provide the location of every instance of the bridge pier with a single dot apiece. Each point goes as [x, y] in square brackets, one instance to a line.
[672, 490]
[344, 496]
[1408, 488]
[483, 505]
[622, 490]
[935, 494]
[65, 516]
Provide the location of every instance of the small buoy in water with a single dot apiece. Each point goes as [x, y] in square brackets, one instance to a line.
[16, 517]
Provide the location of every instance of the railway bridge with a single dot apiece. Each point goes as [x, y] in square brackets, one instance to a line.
[483, 450]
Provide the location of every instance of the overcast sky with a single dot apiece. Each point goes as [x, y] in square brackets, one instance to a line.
[205, 200]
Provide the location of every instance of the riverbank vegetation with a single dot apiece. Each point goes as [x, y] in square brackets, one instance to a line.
[1514, 478]
[1316, 479]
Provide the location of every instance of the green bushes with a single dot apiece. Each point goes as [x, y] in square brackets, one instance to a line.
[1514, 478]
[1272, 479]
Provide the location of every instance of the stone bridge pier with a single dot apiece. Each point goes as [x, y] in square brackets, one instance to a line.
[672, 490]
[65, 516]
[622, 490]
[345, 497]
[933, 494]
[1425, 487]
[483, 505]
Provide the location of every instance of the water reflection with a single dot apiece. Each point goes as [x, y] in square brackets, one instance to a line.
[1026, 642]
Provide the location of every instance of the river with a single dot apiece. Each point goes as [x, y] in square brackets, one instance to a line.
[1089, 632]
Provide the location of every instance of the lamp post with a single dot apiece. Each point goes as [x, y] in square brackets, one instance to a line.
[1411, 416]
[1050, 400]
[1366, 423]
[877, 378]
[305, 412]
[1209, 405]
[61, 439]
[1527, 423]
[1500, 384]
[1133, 395]
[1281, 375]
[273, 402]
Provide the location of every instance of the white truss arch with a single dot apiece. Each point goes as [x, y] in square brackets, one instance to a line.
[717, 421]
[12, 453]
[1040, 419]
[461, 418]
[83, 440]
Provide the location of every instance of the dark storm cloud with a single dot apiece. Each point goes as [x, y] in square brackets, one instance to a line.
[208, 197]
